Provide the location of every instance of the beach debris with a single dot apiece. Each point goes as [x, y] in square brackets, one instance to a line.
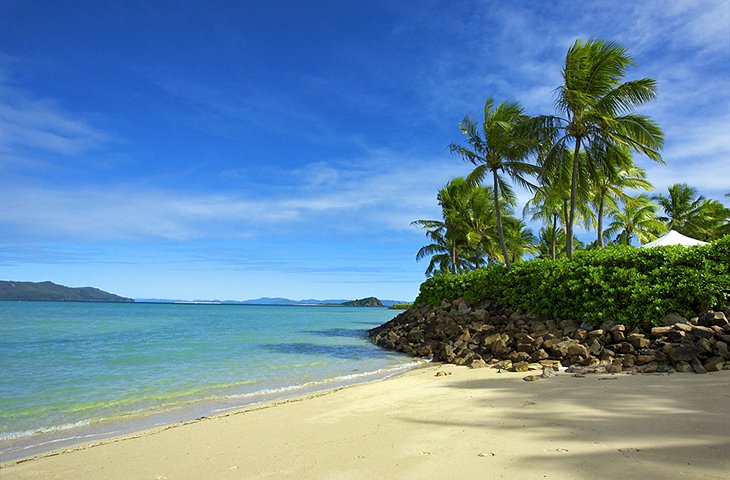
[441, 373]
[485, 454]
[628, 450]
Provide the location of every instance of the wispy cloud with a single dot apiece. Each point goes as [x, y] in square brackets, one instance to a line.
[39, 128]
[344, 198]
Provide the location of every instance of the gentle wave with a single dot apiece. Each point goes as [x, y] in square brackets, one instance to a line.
[55, 428]
[381, 373]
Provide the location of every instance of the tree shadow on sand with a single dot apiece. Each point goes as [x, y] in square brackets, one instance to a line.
[633, 428]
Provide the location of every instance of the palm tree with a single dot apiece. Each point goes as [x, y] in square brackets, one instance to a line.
[466, 232]
[442, 250]
[596, 107]
[611, 175]
[637, 218]
[681, 207]
[691, 214]
[495, 147]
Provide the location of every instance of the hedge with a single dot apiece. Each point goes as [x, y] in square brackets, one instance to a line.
[633, 286]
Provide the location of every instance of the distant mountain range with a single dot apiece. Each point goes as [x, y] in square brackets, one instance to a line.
[369, 301]
[52, 292]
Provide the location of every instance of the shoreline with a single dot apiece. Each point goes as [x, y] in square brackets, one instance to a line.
[101, 430]
[414, 424]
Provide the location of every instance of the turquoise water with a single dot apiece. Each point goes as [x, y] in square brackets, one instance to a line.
[76, 371]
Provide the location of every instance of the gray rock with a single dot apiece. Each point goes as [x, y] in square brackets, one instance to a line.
[673, 318]
[714, 364]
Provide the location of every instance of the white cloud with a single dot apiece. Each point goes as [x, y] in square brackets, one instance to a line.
[41, 126]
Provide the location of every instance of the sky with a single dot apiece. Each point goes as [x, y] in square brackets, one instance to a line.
[233, 150]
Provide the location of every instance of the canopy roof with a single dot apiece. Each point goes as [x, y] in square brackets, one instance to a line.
[674, 238]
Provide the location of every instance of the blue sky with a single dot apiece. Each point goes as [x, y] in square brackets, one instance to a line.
[233, 150]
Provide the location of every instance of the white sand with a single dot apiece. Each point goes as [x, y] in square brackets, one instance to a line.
[471, 424]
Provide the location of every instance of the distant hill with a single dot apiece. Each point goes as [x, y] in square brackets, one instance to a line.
[270, 301]
[364, 302]
[52, 292]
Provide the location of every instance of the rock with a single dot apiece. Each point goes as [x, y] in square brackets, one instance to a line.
[441, 373]
[521, 367]
[531, 378]
[722, 350]
[673, 318]
[702, 332]
[710, 319]
[682, 366]
[707, 346]
[463, 308]
[623, 348]
[581, 335]
[595, 348]
[638, 341]
[617, 333]
[579, 350]
[615, 367]
[477, 362]
[714, 364]
[644, 359]
[539, 354]
[697, 366]
[659, 331]
[650, 367]
[684, 327]
[548, 372]
[684, 351]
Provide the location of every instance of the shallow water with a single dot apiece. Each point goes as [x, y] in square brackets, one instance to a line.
[78, 371]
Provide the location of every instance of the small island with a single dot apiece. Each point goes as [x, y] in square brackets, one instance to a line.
[52, 292]
[364, 302]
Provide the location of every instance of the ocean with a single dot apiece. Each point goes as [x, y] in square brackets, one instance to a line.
[77, 372]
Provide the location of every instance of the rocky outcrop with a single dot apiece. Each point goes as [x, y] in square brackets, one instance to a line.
[485, 334]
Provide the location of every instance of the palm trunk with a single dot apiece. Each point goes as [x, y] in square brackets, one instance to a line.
[600, 219]
[573, 194]
[502, 245]
[553, 239]
[453, 257]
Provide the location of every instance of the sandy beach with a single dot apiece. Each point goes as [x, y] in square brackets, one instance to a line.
[467, 424]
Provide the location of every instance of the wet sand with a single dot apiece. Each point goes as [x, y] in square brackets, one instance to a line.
[468, 424]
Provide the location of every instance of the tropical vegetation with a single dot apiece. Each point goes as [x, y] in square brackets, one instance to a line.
[633, 286]
[579, 165]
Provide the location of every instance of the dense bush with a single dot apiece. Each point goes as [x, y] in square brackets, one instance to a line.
[625, 284]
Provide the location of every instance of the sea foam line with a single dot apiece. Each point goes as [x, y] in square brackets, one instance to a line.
[36, 431]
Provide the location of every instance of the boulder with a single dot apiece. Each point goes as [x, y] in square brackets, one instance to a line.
[714, 364]
[673, 318]
[710, 319]
[520, 367]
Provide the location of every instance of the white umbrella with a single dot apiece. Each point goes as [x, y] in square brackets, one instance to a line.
[674, 238]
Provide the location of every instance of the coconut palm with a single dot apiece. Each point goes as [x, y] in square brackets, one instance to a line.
[595, 108]
[442, 250]
[611, 175]
[691, 214]
[496, 145]
[637, 218]
[466, 232]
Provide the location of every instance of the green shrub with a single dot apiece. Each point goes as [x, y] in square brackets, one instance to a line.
[629, 285]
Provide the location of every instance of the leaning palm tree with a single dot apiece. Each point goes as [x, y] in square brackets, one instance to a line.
[595, 107]
[496, 145]
[637, 218]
